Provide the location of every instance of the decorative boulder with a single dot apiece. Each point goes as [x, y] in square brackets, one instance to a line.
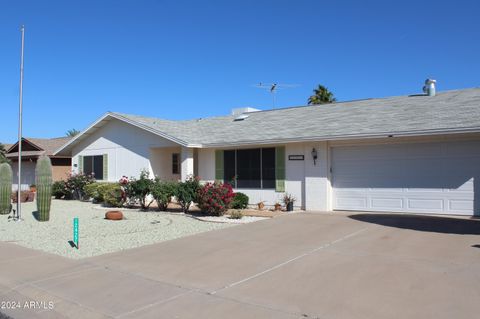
[114, 215]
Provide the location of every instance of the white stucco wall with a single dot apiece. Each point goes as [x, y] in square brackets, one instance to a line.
[206, 164]
[187, 166]
[161, 163]
[317, 182]
[128, 148]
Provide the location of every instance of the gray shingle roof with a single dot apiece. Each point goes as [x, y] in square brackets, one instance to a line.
[449, 111]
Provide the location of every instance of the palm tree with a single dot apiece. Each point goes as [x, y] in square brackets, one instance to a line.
[72, 132]
[322, 96]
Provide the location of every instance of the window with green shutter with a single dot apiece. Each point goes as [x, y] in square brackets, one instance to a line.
[219, 166]
[257, 168]
[96, 165]
[280, 168]
[80, 163]
[105, 167]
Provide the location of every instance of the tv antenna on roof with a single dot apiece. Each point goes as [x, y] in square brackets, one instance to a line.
[274, 87]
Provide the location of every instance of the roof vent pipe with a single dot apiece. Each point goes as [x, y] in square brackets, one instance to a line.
[429, 87]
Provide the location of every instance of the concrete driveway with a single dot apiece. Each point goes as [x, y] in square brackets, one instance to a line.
[309, 265]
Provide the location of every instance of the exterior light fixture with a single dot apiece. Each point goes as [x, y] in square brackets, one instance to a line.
[314, 156]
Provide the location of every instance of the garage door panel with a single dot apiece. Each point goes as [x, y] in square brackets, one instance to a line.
[425, 204]
[427, 177]
[351, 202]
[460, 205]
[382, 204]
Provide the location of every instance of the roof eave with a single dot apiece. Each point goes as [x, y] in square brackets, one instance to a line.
[120, 118]
[418, 133]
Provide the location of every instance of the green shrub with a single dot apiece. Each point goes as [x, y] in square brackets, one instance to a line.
[99, 192]
[139, 189]
[240, 201]
[236, 214]
[75, 185]
[162, 192]
[94, 191]
[59, 189]
[215, 198]
[112, 194]
[186, 193]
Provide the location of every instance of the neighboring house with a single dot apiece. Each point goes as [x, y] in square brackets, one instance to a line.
[32, 148]
[414, 153]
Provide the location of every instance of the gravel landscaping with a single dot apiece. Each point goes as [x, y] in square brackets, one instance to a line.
[227, 219]
[97, 235]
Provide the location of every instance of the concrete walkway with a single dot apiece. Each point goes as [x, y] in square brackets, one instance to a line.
[299, 266]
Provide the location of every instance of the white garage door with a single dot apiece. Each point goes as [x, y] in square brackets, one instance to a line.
[425, 177]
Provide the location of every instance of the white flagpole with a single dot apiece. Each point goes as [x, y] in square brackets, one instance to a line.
[19, 213]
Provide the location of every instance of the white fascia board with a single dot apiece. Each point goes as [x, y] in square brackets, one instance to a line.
[149, 129]
[345, 137]
[123, 119]
[82, 133]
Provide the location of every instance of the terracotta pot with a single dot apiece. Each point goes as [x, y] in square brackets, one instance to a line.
[261, 205]
[278, 207]
[114, 215]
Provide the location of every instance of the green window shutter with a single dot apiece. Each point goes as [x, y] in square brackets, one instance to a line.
[105, 167]
[219, 166]
[280, 169]
[80, 163]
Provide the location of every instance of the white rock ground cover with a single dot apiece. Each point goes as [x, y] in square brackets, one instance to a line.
[227, 219]
[97, 235]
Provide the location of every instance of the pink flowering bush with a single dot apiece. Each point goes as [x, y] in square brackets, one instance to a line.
[124, 180]
[215, 198]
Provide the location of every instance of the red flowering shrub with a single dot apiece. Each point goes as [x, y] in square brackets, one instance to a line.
[215, 198]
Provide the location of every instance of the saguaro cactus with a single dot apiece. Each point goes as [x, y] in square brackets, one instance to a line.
[43, 179]
[5, 188]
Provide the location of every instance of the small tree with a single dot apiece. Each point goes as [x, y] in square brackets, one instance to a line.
[186, 193]
[163, 191]
[321, 96]
[140, 188]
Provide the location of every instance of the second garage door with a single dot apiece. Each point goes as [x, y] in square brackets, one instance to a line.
[422, 177]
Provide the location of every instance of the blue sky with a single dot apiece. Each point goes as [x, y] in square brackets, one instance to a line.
[190, 59]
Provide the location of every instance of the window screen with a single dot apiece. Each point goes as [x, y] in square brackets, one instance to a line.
[93, 165]
[250, 168]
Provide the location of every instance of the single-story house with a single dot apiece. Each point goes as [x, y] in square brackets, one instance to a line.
[32, 149]
[417, 153]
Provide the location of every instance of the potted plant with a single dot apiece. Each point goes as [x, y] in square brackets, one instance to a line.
[288, 200]
[261, 205]
[278, 206]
